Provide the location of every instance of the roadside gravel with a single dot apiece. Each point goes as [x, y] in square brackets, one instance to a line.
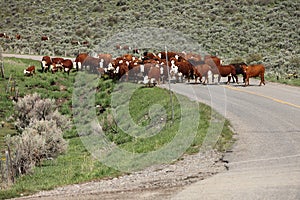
[156, 182]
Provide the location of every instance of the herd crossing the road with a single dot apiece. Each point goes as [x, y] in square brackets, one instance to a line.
[153, 68]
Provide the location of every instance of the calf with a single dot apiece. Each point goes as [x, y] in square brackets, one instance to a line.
[254, 71]
[57, 61]
[29, 71]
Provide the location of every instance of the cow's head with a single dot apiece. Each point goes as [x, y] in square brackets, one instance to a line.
[245, 68]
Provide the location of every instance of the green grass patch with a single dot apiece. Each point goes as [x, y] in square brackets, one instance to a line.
[148, 108]
[291, 81]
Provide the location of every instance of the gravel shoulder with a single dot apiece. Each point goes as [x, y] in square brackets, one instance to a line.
[156, 182]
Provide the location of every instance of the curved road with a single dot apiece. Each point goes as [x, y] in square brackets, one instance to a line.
[265, 160]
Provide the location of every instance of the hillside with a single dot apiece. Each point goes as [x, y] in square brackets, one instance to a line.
[265, 31]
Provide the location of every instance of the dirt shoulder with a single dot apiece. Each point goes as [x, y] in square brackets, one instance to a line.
[156, 182]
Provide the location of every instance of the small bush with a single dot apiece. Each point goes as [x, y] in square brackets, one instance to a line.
[40, 140]
[32, 107]
[41, 129]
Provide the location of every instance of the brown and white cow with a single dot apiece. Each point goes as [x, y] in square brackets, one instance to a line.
[67, 65]
[182, 68]
[254, 71]
[29, 71]
[57, 62]
[79, 60]
[44, 38]
[105, 59]
[46, 62]
[214, 62]
[154, 75]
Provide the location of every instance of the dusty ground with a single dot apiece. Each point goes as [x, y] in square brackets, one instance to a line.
[156, 182]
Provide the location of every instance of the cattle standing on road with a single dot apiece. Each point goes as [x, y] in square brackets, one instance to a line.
[202, 69]
[227, 71]
[239, 70]
[254, 71]
[154, 75]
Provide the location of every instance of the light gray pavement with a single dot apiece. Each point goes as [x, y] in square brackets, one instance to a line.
[265, 160]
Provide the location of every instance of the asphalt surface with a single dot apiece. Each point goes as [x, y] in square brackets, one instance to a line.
[265, 160]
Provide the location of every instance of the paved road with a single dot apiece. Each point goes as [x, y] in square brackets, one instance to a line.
[265, 161]
[33, 57]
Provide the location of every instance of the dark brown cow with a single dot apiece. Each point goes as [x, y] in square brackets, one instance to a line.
[254, 71]
[136, 51]
[121, 71]
[3, 35]
[203, 70]
[44, 38]
[239, 70]
[29, 71]
[80, 59]
[150, 56]
[67, 65]
[154, 75]
[46, 62]
[91, 64]
[227, 71]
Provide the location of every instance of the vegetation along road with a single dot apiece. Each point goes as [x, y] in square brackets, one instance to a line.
[264, 162]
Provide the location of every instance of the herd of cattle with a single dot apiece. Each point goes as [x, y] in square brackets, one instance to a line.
[152, 68]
